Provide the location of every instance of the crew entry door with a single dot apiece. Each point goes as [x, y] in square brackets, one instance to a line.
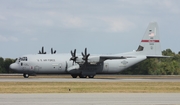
[60, 66]
[36, 69]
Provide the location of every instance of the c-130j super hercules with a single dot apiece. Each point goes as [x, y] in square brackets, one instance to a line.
[86, 65]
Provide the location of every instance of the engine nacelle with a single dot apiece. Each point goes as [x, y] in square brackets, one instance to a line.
[74, 69]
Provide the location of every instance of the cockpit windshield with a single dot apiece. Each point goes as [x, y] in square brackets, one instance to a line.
[16, 60]
[23, 59]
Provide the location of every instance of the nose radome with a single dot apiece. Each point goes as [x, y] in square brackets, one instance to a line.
[13, 66]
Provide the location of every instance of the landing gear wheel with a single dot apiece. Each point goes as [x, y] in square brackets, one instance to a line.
[82, 76]
[91, 76]
[26, 75]
[74, 76]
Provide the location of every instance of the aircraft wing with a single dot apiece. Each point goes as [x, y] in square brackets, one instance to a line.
[103, 58]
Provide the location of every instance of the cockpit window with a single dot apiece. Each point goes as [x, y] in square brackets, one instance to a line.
[23, 59]
[16, 60]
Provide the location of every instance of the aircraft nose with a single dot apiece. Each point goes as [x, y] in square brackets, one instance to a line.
[13, 66]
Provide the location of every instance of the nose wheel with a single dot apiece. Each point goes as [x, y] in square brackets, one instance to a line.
[26, 75]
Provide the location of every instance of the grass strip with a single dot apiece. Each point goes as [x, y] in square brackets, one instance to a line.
[90, 87]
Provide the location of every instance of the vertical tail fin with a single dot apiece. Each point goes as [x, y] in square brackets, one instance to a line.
[150, 44]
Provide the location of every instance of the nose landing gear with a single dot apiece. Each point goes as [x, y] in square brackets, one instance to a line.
[25, 75]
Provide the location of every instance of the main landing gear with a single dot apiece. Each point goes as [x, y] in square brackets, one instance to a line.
[74, 76]
[91, 76]
[82, 76]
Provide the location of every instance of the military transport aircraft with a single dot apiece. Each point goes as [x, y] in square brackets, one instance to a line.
[85, 65]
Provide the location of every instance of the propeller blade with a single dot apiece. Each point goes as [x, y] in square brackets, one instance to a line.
[42, 50]
[74, 52]
[85, 51]
[88, 55]
[85, 55]
[54, 51]
[82, 54]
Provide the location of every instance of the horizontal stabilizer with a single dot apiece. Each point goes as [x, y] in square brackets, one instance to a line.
[156, 56]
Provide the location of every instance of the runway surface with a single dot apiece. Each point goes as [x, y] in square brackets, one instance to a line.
[91, 99]
[85, 80]
[98, 78]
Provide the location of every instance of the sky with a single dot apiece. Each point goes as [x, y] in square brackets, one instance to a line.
[101, 26]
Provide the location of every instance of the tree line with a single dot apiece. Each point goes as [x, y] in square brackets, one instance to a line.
[151, 66]
[4, 65]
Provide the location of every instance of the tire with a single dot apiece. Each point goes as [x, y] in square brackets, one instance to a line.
[82, 76]
[26, 75]
[91, 76]
[74, 76]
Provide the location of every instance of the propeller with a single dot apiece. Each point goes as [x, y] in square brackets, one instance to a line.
[85, 55]
[53, 52]
[74, 57]
[42, 51]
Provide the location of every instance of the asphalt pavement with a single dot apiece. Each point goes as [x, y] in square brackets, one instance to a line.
[91, 99]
